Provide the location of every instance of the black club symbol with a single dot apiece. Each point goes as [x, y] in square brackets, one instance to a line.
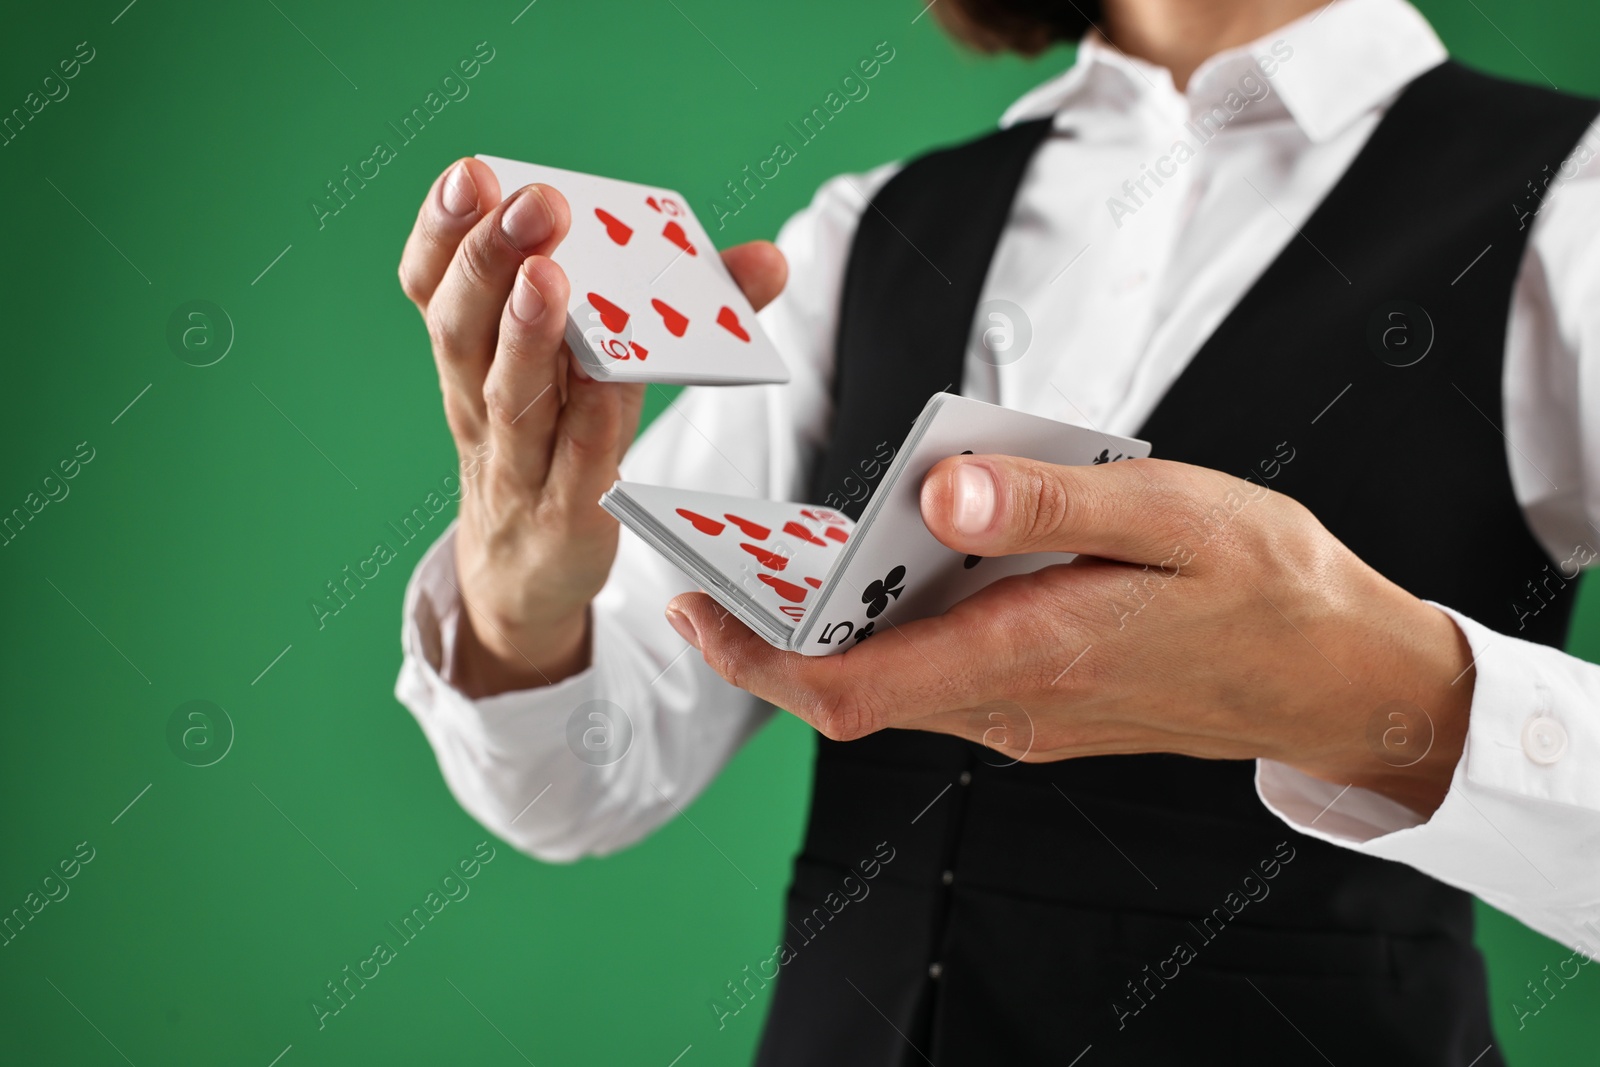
[1105, 456]
[865, 632]
[877, 594]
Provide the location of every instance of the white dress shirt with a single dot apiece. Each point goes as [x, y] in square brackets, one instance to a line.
[1117, 302]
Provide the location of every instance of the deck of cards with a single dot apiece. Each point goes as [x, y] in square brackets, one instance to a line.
[651, 300]
[809, 580]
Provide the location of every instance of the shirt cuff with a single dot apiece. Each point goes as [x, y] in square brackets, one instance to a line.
[1523, 808]
[431, 621]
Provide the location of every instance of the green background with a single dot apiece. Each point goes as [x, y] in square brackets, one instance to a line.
[217, 505]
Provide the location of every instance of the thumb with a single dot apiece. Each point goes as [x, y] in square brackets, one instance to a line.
[1135, 511]
[759, 269]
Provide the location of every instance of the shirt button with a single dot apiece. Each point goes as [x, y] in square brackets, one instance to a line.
[947, 877]
[1544, 740]
[935, 969]
[966, 778]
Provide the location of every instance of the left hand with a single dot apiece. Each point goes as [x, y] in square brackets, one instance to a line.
[1205, 616]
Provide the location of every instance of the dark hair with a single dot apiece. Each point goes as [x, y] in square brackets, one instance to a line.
[1027, 27]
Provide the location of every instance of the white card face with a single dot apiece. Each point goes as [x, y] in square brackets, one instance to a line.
[777, 553]
[651, 300]
[896, 569]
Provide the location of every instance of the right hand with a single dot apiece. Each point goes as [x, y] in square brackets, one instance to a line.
[538, 440]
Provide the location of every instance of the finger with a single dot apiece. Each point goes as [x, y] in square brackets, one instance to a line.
[521, 393]
[464, 314]
[599, 419]
[733, 650]
[458, 199]
[906, 673]
[759, 269]
[632, 407]
[590, 437]
[1136, 511]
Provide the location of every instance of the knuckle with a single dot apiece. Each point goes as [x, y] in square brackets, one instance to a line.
[459, 417]
[1288, 514]
[590, 450]
[529, 348]
[410, 285]
[476, 259]
[436, 316]
[1232, 517]
[841, 715]
[721, 657]
[1179, 510]
[1293, 540]
[597, 436]
[1046, 506]
[500, 406]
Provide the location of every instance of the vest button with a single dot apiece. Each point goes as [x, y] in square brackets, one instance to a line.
[966, 778]
[947, 877]
[1544, 740]
[935, 969]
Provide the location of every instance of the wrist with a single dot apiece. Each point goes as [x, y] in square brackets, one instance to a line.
[1405, 729]
[490, 658]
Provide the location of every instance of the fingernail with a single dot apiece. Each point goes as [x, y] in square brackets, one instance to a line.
[459, 193]
[974, 504]
[527, 303]
[526, 220]
[680, 622]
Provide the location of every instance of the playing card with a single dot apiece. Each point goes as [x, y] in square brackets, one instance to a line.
[807, 579]
[894, 569]
[651, 300]
[765, 560]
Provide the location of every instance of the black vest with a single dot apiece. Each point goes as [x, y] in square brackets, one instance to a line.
[1028, 912]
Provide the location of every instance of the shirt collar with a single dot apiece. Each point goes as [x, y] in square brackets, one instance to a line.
[1329, 68]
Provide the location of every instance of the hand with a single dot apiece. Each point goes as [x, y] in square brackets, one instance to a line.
[1205, 616]
[538, 440]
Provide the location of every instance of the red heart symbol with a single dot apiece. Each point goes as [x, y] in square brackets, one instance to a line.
[760, 533]
[675, 320]
[612, 316]
[730, 322]
[674, 233]
[638, 349]
[794, 529]
[616, 229]
[770, 560]
[703, 524]
[652, 202]
[787, 590]
[815, 583]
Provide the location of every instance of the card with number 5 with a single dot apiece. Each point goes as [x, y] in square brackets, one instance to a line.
[807, 579]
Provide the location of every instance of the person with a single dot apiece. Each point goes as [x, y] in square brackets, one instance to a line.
[1216, 791]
